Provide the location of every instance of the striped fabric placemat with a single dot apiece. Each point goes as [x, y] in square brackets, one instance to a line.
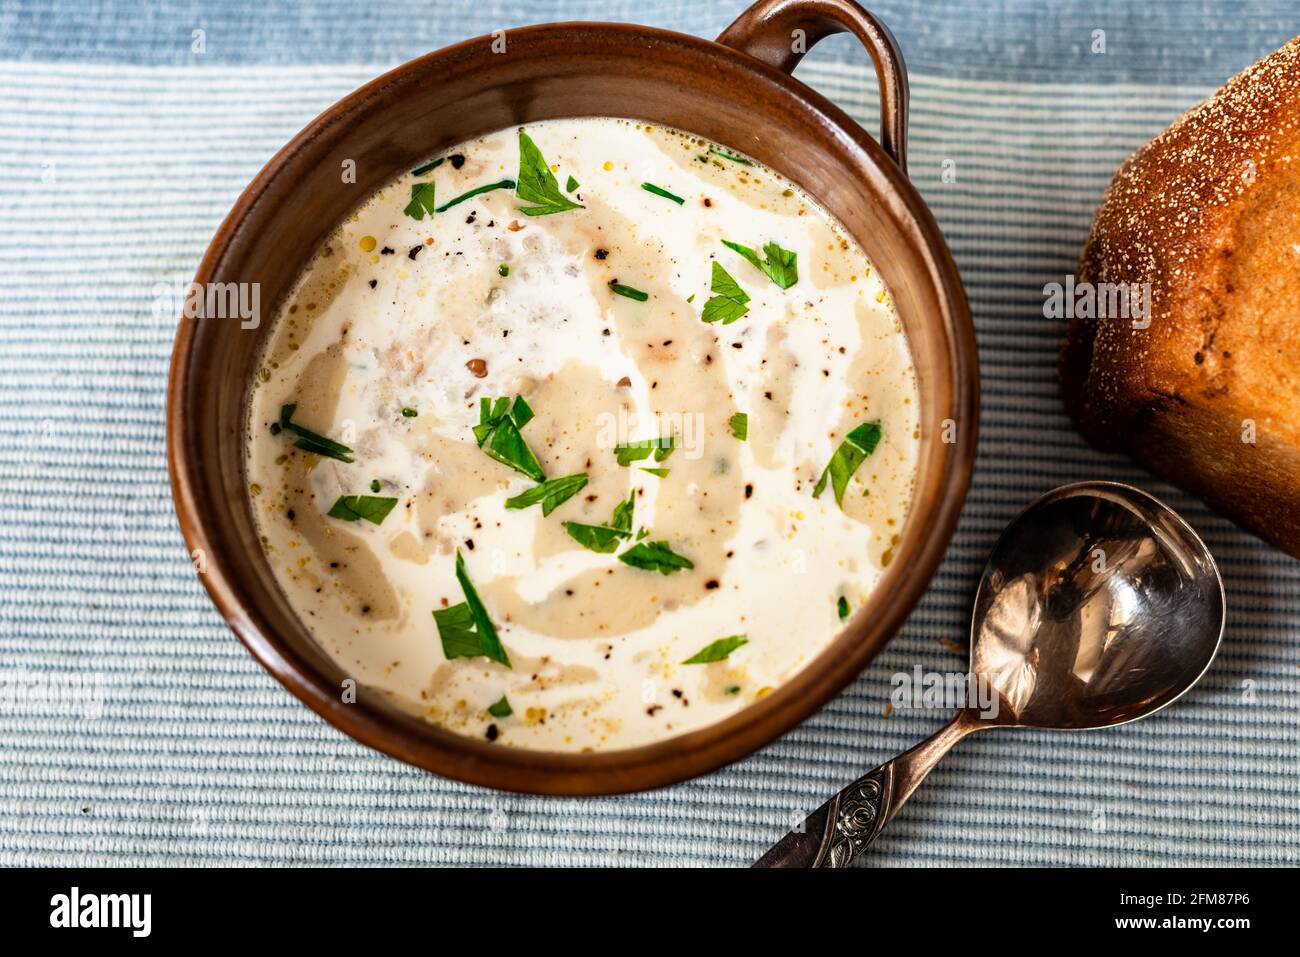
[182, 750]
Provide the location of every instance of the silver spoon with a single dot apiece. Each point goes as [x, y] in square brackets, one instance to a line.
[1098, 606]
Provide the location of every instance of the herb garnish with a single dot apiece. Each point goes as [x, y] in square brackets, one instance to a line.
[465, 629]
[730, 302]
[655, 557]
[374, 485]
[422, 200]
[660, 191]
[605, 538]
[717, 650]
[780, 266]
[351, 508]
[501, 709]
[641, 449]
[661, 473]
[503, 184]
[552, 493]
[537, 184]
[740, 426]
[497, 434]
[853, 451]
[618, 289]
[503, 270]
[842, 606]
[731, 156]
[572, 184]
[313, 442]
[409, 413]
[428, 167]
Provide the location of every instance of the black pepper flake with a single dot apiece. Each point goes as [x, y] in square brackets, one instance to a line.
[457, 160]
[711, 584]
[492, 732]
[292, 515]
[415, 251]
[677, 693]
[386, 251]
[374, 283]
[469, 543]
[749, 490]
[275, 428]
[365, 609]
[602, 253]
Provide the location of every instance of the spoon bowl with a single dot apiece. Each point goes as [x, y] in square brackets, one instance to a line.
[1099, 605]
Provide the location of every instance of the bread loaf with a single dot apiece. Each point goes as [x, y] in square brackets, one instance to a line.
[1207, 394]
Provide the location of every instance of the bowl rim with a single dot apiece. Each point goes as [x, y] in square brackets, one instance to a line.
[668, 760]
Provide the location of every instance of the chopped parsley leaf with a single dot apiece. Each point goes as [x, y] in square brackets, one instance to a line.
[537, 184]
[655, 557]
[730, 303]
[853, 451]
[552, 493]
[641, 449]
[422, 200]
[351, 508]
[740, 426]
[605, 538]
[780, 266]
[498, 435]
[465, 629]
[717, 651]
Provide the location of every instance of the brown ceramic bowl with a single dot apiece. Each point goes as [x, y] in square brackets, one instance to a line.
[736, 91]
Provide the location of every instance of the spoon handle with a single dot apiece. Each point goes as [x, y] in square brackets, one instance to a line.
[835, 833]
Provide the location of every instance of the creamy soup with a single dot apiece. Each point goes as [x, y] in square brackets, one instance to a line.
[582, 435]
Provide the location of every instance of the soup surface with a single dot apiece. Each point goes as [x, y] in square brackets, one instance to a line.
[582, 435]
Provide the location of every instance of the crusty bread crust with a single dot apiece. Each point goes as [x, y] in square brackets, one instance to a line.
[1208, 213]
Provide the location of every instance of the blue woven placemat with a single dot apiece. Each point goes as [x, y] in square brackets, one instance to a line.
[135, 729]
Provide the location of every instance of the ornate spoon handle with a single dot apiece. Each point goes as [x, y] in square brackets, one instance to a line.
[835, 833]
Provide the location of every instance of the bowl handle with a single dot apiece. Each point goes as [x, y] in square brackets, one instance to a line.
[780, 32]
